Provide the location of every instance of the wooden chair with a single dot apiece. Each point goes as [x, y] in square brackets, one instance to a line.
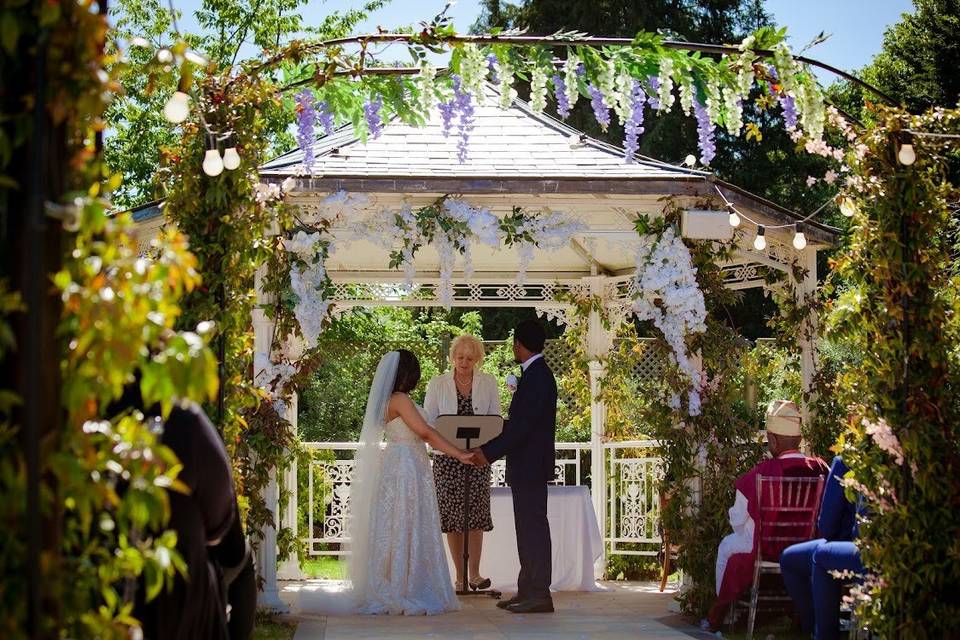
[788, 509]
[667, 551]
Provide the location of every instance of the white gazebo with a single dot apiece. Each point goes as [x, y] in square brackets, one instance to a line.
[519, 158]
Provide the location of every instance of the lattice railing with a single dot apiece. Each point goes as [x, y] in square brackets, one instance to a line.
[630, 529]
[633, 481]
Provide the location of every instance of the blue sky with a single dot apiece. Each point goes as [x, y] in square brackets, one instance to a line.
[856, 26]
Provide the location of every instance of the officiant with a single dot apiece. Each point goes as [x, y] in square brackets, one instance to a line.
[464, 391]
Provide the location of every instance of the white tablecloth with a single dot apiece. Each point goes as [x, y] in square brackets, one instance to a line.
[574, 535]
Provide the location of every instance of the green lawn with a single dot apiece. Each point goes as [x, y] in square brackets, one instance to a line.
[327, 567]
[268, 628]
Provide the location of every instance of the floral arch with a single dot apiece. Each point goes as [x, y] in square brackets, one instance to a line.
[540, 216]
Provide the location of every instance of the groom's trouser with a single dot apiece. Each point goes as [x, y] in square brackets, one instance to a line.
[533, 540]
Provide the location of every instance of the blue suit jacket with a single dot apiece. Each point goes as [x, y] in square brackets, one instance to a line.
[529, 435]
[838, 516]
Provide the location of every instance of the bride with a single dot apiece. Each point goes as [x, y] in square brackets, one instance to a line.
[398, 562]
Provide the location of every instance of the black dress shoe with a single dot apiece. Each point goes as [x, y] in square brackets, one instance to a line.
[503, 604]
[539, 605]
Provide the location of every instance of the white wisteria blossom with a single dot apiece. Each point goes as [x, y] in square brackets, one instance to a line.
[473, 71]
[549, 231]
[714, 101]
[672, 300]
[538, 89]
[308, 281]
[570, 79]
[665, 81]
[505, 75]
[342, 205]
[687, 93]
[623, 97]
[426, 97]
[734, 109]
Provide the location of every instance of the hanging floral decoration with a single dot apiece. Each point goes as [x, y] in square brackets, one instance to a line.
[452, 226]
[666, 281]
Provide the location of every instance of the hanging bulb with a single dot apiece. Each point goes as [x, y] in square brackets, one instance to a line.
[734, 219]
[212, 163]
[760, 242]
[177, 108]
[231, 159]
[799, 240]
[907, 156]
[848, 207]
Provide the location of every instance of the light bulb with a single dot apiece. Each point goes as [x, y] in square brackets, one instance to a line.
[231, 159]
[734, 219]
[690, 160]
[907, 155]
[177, 108]
[212, 163]
[164, 56]
[760, 242]
[799, 241]
[848, 207]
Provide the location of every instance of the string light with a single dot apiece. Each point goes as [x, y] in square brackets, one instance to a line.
[231, 159]
[760, 242]
[212, 163]
[799, 240]
[734, 219]
[907, 156]
[177, 107]
[848, 207]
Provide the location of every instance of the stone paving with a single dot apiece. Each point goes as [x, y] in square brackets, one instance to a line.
[625, 610]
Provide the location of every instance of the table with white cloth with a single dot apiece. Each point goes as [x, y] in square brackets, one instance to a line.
[574, 535]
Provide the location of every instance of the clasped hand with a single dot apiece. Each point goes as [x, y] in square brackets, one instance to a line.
[473, 457]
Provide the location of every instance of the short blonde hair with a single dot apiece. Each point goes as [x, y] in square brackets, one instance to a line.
[471, 344]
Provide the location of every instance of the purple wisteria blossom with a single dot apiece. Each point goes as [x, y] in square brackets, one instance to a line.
[560, 91]
[371, 112]
[633, 127]
[326, 117]
[600, 109]
[306, 119]
[705, 131]
[580, 70]
[464, 104]
[492, 67]
[653, 100]
[448, 111]
[789, 107]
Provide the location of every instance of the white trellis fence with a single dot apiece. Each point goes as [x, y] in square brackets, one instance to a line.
[630, 526]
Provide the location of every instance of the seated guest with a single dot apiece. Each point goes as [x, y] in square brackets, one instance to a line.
[209, 535]
[807, 566]
[738, 551]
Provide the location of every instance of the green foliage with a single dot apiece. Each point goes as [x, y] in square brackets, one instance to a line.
[901, 307]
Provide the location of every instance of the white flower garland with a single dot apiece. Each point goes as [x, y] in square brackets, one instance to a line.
[308, 283]
[665, 272]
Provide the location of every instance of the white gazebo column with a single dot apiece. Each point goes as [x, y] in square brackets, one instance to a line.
[599, 343]
[269, 597]
[290, 568]
[805, 289]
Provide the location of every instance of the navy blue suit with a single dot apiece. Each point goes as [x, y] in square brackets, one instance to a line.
[527, 442]
[807, 566]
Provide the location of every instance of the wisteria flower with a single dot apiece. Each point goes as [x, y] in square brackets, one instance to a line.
[371, 112]
[600, 109]
[306, 119]
[634, 124]
[560, 92]
[705, 133]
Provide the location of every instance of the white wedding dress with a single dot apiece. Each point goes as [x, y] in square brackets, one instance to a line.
[404, 562]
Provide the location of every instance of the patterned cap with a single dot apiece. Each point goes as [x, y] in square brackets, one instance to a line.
[783, 418]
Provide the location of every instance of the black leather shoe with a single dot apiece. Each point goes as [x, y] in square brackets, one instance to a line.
[503, 604]
[540, 605]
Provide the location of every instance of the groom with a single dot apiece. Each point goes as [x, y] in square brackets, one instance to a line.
[528, 443]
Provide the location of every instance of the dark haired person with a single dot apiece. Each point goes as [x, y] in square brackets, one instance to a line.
[398, 562]
[527, 441]
[209, 535]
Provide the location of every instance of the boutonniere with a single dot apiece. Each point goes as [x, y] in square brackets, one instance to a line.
[511, 382]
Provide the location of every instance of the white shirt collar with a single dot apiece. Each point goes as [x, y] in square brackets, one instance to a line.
[526, 363]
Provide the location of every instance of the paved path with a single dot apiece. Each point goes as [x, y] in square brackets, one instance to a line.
[627, 610]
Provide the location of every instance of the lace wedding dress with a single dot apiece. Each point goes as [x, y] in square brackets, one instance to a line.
[405, 562]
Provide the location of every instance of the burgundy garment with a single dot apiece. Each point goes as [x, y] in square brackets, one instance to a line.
[738, 575]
